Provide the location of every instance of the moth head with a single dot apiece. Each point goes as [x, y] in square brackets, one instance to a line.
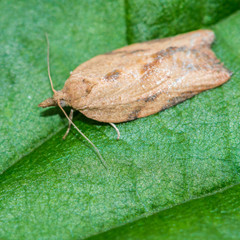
[47, 103]
[58, 97]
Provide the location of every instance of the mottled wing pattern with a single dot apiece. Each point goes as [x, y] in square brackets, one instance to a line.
[145, 78]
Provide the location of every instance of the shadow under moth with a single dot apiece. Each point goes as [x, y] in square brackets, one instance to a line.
[141, 79]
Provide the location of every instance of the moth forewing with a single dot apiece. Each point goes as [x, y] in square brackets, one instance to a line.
[145, 78]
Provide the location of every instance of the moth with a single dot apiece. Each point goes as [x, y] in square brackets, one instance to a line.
[141, 79]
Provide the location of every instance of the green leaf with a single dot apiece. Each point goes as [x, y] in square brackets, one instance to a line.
[156, 18]
[59, 189]
[197, 219]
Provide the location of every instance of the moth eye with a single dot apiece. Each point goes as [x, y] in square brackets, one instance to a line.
[63, 103]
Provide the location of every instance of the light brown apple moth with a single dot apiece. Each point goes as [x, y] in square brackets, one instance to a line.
[142, 79]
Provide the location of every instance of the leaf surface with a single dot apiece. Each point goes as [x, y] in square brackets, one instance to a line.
[59, 189]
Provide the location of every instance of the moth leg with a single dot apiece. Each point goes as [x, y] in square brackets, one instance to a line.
[117, 130]
[69, 124]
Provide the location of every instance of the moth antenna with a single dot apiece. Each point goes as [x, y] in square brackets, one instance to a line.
[96, 149]
[49, 75]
